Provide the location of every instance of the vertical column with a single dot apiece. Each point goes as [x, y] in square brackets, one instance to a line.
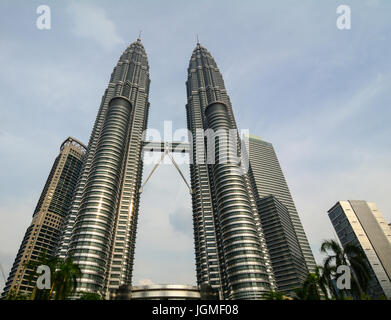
[93, 230]
[247, 277]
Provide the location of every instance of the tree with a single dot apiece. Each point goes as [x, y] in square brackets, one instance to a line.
[207, 292]
[64, 274]
[310, 288]
[351, 255]
[65, 278]
[13, 295]
[90, 296]
[274, 295]
[32, 265]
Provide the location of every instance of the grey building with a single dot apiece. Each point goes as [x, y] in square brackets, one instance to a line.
[101, 230]
[231, 252]
[287, 259]
[42, 236]
[361, 223]
[157, 292]
[269, 180]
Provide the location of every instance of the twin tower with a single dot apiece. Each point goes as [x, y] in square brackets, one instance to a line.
[99, 230]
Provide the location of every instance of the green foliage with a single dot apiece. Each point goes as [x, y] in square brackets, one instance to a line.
[65, 278]
[310, 289]
[90, 296]
[319, 285]
[13, 295]
[351, 255]
[64, 274]
[273, 295]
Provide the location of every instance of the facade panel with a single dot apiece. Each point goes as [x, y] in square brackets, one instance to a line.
[100, 233]
[287, 259]
[269, 180]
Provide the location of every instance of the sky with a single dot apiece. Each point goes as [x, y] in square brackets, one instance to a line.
[321, 95]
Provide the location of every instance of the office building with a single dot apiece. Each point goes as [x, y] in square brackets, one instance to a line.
[270, 180]
[101, 230]
[231, 252]
[42, 236]
[288, 262]
[361, 223]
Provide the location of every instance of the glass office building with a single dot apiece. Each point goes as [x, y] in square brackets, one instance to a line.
[270, 180]
[231, 252]
[101, 229]
[286, 256]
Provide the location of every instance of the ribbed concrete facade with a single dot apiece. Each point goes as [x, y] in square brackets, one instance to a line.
[361, 223]
[231, 253]
[101, 230]
[44, 231]
[269, 180]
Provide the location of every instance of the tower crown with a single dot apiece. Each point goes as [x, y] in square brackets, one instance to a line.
[134, 49]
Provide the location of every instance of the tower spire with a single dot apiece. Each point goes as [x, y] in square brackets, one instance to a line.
[139, 36]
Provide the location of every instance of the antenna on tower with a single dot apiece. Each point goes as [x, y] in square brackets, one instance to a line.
[198, 41]
[139, 35]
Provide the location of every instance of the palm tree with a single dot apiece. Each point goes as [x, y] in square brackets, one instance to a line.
[90, 296]
[351, 255]
[310, 288]
[13, 295]
[322, 279]
[327, 277]
[273, 295]
[49, 261]
[65, 278]
[300, 293]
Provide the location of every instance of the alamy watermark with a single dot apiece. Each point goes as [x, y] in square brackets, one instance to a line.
[44, 280]
[44, 20]
[205, 146]
[343, 22]
[344, 279]
[344, 18]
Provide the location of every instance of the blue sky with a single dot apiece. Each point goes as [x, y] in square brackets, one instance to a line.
[321, 95]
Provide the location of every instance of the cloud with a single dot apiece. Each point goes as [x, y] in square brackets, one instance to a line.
[293, 78]
[180, 221]
[91, 21]
[15, 217]
[368, 180]
[165, 247]
[333, 154]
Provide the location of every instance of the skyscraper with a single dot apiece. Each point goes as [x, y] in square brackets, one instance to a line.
[361, 223]
[101, 230]
[269, 180]
[44, 231]
[231, 252]
[287, 259]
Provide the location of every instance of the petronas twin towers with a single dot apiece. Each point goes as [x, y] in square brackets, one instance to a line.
[231, 252]
[99, 228]
[100, 232]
